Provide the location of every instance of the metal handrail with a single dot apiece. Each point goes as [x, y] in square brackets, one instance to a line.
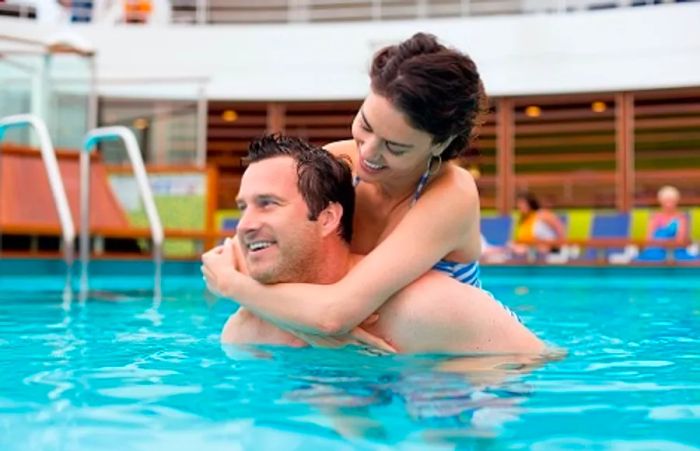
[295, 11]
[134, 153]
[58, 191]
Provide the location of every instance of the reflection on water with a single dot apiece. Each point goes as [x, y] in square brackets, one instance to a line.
[443, 399]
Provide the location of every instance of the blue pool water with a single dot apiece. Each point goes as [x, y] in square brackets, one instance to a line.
[118, 372]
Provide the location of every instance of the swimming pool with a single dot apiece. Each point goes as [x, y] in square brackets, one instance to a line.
[118, 372]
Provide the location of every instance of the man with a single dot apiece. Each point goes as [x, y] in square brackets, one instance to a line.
[297, 203]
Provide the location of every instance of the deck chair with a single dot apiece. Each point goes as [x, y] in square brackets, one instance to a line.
[610, 225]
[229, 224]
[661, 255]
[496, 229]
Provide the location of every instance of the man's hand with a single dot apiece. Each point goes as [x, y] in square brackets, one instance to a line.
[218, 269]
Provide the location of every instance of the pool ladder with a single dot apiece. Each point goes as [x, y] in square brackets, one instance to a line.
[48, 155]
[58, 192]
[134, 152]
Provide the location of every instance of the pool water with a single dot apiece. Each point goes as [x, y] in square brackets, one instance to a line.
[119, 371]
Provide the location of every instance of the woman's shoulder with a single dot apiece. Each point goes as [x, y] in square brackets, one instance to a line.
[455, 186]
[456, 179]
[346, 147]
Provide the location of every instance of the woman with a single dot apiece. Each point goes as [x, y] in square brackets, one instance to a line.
[535, 224]
[414, 209]
[669, 223]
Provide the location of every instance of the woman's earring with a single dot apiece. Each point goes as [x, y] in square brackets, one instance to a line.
[430, 164]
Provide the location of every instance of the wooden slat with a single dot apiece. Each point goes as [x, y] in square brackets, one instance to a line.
[667, 109]
[582, 177]
[603, 176]
[228, 146]
[670, 122]
[652, 201]
[320, 133]
[320, 121]
[227, 161]
[641, 155]
[565, 158]
[235, 132]
[557, 141]
[564, 115]
[668, 94]
[563, 99]
[243, 120]
[565, 127]
[640, 136]
[670, 174]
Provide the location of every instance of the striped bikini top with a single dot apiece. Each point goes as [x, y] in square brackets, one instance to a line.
[462, 272]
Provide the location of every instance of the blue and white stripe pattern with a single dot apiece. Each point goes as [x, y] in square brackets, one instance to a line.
[462, 272]
[468, 273]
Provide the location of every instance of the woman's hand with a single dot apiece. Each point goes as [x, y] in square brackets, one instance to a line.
[357, 336]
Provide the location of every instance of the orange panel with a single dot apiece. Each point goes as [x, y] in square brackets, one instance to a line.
[25, 196]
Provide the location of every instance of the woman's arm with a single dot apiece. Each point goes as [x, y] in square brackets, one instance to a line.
[437, 224]
[682, 236]
[553, 221]
[652, 226]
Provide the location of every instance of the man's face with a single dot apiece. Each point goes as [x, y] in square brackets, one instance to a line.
[278, 240]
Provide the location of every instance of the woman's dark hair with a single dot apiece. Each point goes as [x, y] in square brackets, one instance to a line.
[530, 200]
[437, 88]
[322, 178]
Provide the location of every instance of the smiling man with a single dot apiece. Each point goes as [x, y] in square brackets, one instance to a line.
[297, 204]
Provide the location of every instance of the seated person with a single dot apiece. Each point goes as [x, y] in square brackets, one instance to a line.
[535, 224]
[297, 204]
[668, 224]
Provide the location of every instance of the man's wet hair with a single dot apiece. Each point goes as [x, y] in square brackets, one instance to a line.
[321, 177]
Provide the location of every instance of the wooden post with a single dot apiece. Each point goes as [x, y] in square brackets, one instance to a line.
[211, 198]
[505, 155]
[624, 151]
[276, 122]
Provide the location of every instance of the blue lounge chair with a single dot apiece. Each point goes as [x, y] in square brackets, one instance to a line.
[661, 255]
[229, 224]
[496, 229]
[608, 225]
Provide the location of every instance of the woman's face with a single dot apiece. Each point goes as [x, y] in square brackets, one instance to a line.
[522, 206]
[389, 147]
[668, 202]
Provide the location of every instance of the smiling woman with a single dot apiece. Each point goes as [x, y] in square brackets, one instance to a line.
[412, 213]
